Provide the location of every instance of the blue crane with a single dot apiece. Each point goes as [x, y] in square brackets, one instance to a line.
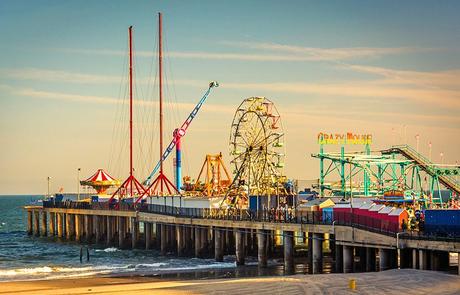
[175, 142]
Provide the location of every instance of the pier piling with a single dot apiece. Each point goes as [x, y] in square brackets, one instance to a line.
[121, 232]
[218, 245]
[317, 256]
[109, 238]
[405, 258]
[97, 228]
[52, 224]
[163, 239]
[262, 247]
[198, 247]
[134, 233]
[30, 222]
[348, 259]
[60, 225]
[148, 235]
[239, 245]
[422, 259]
[338, 258]
[78, 227]
[288, 245]
[385, 259]
[37, 223]
[180, 239]
[370, 259]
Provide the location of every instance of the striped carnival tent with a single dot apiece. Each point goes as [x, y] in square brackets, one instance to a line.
[100, 181]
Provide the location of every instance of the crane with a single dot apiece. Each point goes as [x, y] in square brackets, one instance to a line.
[175, 142]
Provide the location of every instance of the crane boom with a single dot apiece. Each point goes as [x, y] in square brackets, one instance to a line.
[180, 132]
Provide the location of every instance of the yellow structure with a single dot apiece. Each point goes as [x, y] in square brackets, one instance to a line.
[213, 179]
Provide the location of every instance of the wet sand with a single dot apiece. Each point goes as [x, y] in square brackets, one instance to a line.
[405, 281]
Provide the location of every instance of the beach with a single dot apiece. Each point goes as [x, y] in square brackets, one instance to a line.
[405, 281]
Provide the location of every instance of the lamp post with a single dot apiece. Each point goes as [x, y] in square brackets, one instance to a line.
[441, 155]
[78, 184]
[430, 148]
[404, 134]
[48, 178]
[393, 136]
[417, 138]
[351, 195]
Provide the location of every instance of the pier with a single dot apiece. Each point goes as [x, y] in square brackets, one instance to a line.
[214, 233]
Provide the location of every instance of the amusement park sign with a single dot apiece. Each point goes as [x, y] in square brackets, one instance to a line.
[342, 138]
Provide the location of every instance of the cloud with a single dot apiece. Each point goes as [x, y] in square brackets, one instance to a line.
[297, 113]
[439, 79]
[439, 89]
[77, 98]
[326, 54]
[65, 96]
[287, 52]
[197, 55]
[57, 75]
[437, 97]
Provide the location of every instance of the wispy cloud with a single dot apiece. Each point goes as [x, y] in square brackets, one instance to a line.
[57, 75]
[436, 97]
[284, 52]
[198, 55]
[439, 79]
[326, 54]
[440, 89]
[32, 93]
[50, 75]
[92, 99]
[297, 112]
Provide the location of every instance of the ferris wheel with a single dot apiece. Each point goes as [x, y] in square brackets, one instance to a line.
[257, 146]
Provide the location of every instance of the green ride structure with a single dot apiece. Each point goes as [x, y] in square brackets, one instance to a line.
[375, 173]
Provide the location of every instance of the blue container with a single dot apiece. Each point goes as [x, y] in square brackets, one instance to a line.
[328, 215]
[59, 198]
[442, 222]
[94, 199]
[262, 200]
[253, 203]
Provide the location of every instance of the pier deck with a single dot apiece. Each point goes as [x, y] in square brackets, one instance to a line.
[200, 232]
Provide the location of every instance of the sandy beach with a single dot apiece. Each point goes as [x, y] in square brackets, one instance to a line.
[405, 281]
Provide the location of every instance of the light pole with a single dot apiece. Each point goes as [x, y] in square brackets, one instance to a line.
[417, 138]
[351, 195]
[393, 136]
[430, 148]
[441, 155]
[456, 164]
[48, 178]
[403, 134]
[78, 184]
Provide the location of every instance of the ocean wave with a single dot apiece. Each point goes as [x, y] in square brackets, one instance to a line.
[25, 271]
[108, 250]
[150, 265]
[52, 272]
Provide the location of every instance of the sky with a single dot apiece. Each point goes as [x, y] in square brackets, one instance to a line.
[386, 68]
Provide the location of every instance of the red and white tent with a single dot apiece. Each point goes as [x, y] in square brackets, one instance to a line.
[100, 181]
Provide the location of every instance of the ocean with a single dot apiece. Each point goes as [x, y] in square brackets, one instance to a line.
[29, 258]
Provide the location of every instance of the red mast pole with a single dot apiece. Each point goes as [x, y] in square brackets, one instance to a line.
[131, 183]
[160, 66]
[131, 107]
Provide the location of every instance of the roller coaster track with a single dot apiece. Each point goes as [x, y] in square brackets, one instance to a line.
[426, 165]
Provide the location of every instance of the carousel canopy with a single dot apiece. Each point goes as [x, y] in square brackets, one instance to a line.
[100, 178]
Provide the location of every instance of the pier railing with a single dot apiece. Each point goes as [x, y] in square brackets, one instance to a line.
[265, 215]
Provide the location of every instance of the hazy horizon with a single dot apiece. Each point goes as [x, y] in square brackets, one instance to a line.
[386, 68]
